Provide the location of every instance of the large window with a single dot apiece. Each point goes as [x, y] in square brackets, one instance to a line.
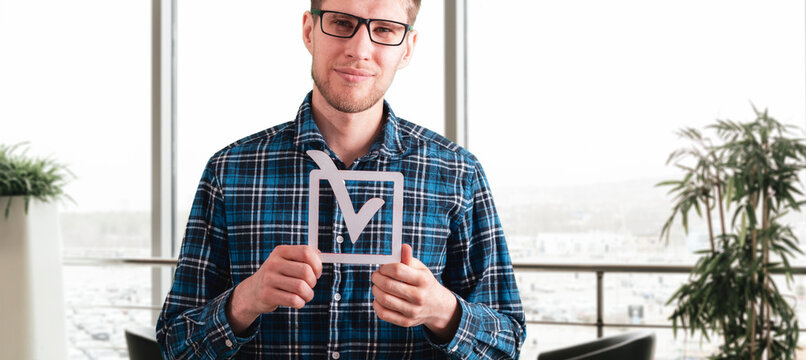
[238, 72]
[573, 109]
[242, 68]
[75, 84]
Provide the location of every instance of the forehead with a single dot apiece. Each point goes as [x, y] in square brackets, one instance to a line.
[374, 9]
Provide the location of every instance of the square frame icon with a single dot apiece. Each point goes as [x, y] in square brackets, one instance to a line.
[397, 214]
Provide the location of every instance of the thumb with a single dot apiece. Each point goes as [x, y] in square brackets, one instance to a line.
[406, 254]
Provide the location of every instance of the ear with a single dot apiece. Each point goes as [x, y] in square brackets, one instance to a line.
[411, 41]
[307, 30]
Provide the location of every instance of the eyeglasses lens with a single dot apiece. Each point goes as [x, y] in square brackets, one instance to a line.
[383, 32]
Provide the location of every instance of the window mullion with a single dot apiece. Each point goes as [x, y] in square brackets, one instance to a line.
[162, 144]
[456, 71]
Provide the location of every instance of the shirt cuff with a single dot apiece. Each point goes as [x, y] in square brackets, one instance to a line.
[222, 339]
[464, 339]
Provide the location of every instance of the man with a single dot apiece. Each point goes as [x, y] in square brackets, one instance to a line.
[248, 286]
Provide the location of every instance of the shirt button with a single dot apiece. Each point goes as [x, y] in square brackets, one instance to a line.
[339, 239]
[337, 297]
[228, 343]
[335, 355]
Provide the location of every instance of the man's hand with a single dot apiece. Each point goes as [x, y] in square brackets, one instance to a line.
[407, 294]
[286, 278]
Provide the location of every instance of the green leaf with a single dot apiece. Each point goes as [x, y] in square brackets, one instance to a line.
[729, 191]
[668, 183]
[743, 230]
[754, 157]
[40, 178]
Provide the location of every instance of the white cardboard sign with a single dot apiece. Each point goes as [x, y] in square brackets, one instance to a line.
[355, 221]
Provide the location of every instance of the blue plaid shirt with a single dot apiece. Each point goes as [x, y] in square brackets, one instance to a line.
[253, 196]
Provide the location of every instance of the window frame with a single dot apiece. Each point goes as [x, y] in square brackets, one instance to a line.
[163, 122]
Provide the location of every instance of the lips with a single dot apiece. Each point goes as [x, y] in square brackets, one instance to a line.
[353, 75]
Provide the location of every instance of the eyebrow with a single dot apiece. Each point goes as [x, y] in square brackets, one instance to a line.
[405, 22]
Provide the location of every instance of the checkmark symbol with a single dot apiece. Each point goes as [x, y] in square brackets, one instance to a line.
[355, 221]
[358, 221]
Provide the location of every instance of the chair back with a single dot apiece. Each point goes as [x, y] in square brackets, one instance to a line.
[142, 344]
[629, 346]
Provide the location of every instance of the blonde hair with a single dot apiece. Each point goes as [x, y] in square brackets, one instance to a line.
[412, 9]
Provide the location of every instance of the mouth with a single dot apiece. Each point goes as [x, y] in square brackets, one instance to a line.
[353, 75]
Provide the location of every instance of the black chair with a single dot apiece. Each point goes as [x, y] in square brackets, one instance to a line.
[629, 346]
[142, 344]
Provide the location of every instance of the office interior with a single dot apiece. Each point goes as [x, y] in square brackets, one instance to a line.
[572, 107]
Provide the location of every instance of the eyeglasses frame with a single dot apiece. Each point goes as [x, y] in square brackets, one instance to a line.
[361, 20]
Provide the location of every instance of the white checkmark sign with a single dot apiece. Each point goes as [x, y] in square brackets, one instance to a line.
[354, 221]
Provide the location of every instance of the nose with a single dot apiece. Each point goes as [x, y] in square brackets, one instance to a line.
[360, 45]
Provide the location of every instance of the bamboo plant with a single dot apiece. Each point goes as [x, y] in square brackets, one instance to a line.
[745, 183]
[39, 178]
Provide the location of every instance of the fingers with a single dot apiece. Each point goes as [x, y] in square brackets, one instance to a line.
[299, 270]
[417, 264]
[313, 259]
[391, 302]
[284, 298]
[293, 286]
[392, 316]
[396, 288]
[407, 257]
[287, 277]
[406, 254]
[404, 273]
[302, 253]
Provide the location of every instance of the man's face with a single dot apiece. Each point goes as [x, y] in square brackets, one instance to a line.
[353, 74]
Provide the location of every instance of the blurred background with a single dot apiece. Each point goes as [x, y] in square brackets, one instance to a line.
[572, 107]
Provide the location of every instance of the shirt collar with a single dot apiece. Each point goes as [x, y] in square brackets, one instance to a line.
[391, 143]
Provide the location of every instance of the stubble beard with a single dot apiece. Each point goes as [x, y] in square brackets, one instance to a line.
[344, 103]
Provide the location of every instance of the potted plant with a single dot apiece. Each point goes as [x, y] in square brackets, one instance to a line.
[30, 178]
[33, 325]
[742, 185]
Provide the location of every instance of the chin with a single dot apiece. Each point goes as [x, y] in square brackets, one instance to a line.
[354, 104]
[350, 97]
[354, 95]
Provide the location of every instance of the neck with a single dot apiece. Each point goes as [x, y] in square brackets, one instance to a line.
[349, 135]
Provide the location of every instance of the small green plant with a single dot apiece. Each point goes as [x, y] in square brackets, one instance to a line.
[39, 178]
[745, 185]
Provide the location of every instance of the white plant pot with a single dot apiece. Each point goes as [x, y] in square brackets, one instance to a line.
[32, 312]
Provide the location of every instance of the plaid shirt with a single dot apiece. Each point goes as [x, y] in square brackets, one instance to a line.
[253, 196]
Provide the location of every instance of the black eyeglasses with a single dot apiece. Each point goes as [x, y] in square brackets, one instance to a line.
[343, 25]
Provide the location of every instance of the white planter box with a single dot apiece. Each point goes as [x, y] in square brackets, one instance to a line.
[32, 314]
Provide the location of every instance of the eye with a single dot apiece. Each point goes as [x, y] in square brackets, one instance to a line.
[339, 22]
[387, 29]
[342, 23]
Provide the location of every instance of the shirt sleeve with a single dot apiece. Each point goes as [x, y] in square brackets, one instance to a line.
[479, 273]
[193, 323]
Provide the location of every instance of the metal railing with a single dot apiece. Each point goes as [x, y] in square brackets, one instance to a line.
[87, 261]
[598, 269]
